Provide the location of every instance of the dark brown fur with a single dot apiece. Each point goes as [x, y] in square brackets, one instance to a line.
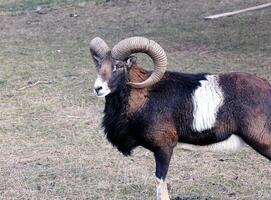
[248, 106]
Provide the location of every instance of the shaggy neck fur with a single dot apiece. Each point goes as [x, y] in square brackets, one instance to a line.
[117, 108]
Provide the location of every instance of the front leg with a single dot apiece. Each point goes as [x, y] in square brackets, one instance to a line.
[162, 159]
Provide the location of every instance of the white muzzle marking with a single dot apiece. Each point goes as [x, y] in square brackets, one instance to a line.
[101, 88]
[207, 99]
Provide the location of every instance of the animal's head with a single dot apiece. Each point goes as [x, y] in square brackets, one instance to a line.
[112, 65]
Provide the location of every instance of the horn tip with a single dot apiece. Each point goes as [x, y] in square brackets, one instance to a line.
[134, 85]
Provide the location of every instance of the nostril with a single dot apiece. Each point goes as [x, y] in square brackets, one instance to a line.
[97, 89]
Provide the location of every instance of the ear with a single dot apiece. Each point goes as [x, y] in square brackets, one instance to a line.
[131, 61]
[96, 59]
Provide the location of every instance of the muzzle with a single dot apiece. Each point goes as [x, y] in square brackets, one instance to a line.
[101, 88]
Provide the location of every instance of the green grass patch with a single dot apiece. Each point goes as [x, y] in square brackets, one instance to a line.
[2, 82]
[21, 5]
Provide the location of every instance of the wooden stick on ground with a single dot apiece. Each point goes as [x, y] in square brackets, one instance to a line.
[238, 11]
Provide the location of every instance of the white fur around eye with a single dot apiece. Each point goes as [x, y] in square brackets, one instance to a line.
[114, 68]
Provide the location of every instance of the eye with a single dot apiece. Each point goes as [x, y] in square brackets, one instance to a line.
[115, 68]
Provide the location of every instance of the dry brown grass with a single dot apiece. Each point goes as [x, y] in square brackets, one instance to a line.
[51, 145]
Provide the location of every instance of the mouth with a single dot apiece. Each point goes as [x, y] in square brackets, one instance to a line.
[101, 94]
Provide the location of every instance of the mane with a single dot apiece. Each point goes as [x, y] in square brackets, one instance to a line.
[115, 120]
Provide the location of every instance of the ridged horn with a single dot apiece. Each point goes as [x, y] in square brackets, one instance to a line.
[132, 45]
[98, 47]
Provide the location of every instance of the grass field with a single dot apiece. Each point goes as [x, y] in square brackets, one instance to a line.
[51, 143]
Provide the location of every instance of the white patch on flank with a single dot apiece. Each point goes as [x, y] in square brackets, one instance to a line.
[100, 83]
[207, 99]
[230, 145]
[161, 191]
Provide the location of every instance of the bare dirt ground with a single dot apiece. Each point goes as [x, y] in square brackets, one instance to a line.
[51, 143]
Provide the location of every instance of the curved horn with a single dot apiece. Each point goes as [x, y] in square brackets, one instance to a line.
[98, 47]
[132, 45]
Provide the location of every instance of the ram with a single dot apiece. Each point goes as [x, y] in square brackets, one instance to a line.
[158, 109]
